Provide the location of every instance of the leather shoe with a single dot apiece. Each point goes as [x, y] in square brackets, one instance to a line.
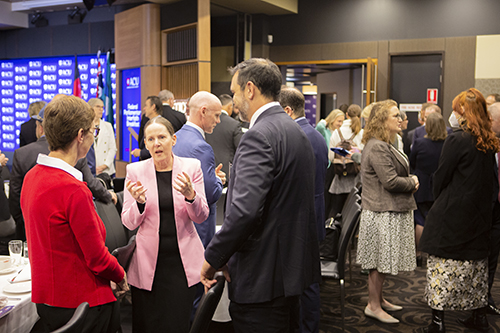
[390, 320]
[391, 307]
[493, 310]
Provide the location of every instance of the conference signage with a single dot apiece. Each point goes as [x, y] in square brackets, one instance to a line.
[131, 106]
[24, 81]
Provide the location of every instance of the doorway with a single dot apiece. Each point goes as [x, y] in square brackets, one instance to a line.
[410, 77]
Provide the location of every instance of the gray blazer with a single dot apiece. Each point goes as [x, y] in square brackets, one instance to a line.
[386, 182]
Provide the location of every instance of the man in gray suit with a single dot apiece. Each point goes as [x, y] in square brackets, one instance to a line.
[225, 137]
[25, 159]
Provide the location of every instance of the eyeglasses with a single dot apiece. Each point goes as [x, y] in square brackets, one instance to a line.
[95, 131]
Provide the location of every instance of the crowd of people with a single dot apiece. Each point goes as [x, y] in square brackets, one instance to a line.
[283, 177]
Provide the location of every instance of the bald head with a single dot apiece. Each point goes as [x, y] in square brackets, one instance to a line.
[204, 110]
[494, 110]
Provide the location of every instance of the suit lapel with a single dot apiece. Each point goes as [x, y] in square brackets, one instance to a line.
[401, 159]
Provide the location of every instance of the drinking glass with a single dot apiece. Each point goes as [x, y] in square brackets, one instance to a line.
[25, 252]
[16, 250]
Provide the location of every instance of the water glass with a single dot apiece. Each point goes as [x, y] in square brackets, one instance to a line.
[15, 251]
[25, 252]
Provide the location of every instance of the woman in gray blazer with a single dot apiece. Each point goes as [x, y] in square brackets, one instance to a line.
[386, 240]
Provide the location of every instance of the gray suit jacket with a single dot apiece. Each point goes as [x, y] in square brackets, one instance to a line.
[386, 182]
[224, 141]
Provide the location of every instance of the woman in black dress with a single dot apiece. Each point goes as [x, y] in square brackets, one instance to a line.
[164, 195]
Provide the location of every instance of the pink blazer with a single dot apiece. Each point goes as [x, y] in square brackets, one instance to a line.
[142, 266]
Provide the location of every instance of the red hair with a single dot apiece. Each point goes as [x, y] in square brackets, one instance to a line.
[471, 105]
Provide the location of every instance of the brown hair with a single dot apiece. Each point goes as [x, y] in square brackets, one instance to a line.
[162, 121]
[64, 117]
[435, 127]
[354, 112]
[471, 105]
[35, 108]
[376, 126]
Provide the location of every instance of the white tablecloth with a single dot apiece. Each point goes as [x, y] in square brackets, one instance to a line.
[22, 318]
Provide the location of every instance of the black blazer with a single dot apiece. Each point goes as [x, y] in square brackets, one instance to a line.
[224, 141]
[176, 118]
[458, 224]
[424, 160]
[4, 203]
[25, 159]
[28, 132]
[269, 231]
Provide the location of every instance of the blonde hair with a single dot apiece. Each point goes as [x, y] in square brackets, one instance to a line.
[332, 116]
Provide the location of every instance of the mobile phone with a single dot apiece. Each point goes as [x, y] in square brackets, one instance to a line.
[340, 151]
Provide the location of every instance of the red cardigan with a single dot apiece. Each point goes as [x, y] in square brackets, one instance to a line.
[69, 262]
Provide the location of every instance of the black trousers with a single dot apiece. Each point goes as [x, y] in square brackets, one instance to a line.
[100, 319]
[280, 315]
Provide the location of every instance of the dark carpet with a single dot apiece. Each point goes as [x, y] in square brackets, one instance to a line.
[405, 289]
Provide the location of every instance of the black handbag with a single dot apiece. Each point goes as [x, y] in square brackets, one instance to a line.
[329, 247]
[124, 254]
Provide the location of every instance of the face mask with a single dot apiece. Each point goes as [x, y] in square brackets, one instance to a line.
[453, 121]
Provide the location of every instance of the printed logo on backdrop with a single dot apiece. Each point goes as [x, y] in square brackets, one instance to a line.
[133, 82]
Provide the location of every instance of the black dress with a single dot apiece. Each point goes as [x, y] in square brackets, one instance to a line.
[167, 307]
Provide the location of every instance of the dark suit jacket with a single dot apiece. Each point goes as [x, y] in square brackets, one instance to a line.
[420, 132]
[224, 141]
[142, 146]
[28, 132]
[25, 159]
[321, 158]
[176, 118]
[4, 203]
[407, 141]
[190, 143]
[269, 231]
[424, 160]
[458, 224]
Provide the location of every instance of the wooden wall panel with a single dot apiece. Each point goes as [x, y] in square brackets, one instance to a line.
[137, 37]
[181, 80]
[416, 45]
[459, 66]
[383, 70]
[150, 82]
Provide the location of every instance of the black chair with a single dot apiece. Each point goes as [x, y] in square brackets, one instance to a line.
[75, 324]
[207, 306]
[336, 270]
[115, 231]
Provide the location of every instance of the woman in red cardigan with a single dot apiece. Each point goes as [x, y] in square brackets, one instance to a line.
[69, 261]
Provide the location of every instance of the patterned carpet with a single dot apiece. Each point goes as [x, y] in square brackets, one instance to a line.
[405, 289]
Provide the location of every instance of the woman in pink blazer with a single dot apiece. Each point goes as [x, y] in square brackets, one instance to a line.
[165, 194]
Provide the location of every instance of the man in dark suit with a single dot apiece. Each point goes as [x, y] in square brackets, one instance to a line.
[176, 118]
[494, 111]
[28, 129]
[269, 238]
[427, 109]
[293, 102]
[226, 136]
[26, 157]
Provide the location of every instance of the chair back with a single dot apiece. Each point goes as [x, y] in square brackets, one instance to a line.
[353, 196]
[207, 306]
[75, 324]
[124, 253]
[115, 231]
[350, 221]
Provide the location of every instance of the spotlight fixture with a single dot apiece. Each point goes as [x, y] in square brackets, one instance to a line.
[76, 16]
[39, 20]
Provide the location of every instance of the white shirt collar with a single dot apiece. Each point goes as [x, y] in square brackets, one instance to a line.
[260, 111]
[59, 164]
[202, 132]
[225, 112]
[299, 118]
